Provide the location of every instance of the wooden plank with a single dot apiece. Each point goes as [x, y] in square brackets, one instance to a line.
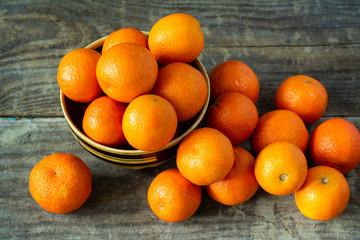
[276, 38]
[117, 207]
[225, 23]
[29, 87]
[337, 68]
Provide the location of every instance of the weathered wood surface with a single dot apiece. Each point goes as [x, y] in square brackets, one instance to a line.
[276, 39]
[118, 204]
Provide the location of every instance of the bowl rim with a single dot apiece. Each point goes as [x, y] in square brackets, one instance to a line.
[99, 42]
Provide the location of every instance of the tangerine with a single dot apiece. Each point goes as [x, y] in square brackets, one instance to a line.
[176, 38]
[240, 184]
[336, 143]
[281, 168]
[60, 183]
[233, 114]
[102, 121]
[279, 126]
[234, 76]
[149, 122]
[172, 197]
[124, 35]
[205, 156]
[126, 71]
[76, 75]
[303, 95]
[184, 87]
[324, 194]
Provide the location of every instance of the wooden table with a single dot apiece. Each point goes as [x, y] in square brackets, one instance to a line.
[276, 39]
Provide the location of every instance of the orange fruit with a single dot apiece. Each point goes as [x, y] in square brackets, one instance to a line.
[324, 194]
[240, 184]
[102, 121]
[149, 122]
[336, 143]
[126, 71]
[303, 95]
[280, 168]
[234, 76]
[124, 35]
[205, 156]
[184, 87]
[76, 75]
[172, 197]
[279, 126]
[233, 114]
[60, 183]
[176, 38]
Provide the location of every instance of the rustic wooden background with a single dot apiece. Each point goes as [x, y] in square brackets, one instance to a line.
[275, 38]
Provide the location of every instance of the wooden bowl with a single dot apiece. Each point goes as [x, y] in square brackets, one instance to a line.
[129, 157]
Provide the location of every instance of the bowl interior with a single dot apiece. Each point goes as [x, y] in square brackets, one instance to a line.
[74, 111]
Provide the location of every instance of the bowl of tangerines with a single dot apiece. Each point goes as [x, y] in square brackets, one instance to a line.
[131, 97]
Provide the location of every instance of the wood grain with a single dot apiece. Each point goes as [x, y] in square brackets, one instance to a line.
[118, 205]
[242, 23]
[276, 38]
